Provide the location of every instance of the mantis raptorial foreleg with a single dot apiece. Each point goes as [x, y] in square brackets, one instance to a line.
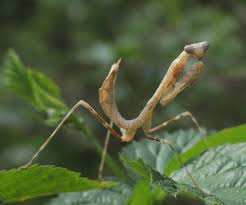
[187, 80]
[87, 107]
[189, 77]
[176, 118]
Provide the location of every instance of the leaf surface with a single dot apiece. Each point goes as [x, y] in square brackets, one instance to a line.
[31, 85]
[142, 194]
[220, 171]
[231, 135]
[25, 183]
[156, 154]
[168, 185]
[116, 195]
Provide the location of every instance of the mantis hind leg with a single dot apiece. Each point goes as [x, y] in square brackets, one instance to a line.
[86, 106]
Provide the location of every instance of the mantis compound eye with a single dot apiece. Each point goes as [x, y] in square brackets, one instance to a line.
[197, 49]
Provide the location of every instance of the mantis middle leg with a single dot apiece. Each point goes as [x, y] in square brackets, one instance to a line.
[174, 119]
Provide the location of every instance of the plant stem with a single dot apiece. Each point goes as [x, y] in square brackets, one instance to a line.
[114, 166]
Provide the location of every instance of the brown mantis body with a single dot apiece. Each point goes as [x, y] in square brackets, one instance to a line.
[168, 89]
[171, 85]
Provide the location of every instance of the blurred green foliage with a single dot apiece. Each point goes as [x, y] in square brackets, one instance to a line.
[75, 42]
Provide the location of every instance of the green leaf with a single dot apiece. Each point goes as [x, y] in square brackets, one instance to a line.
[232, 192]
[116, 195]
[220, 171]
[180, 189]
[141, 195]
[32, 85]
[21, 184]
[156, 154]
[35, 88]
[138, 166]
[168, 185]
[231, 135]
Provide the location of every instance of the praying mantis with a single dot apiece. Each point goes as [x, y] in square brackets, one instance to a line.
[173, 83]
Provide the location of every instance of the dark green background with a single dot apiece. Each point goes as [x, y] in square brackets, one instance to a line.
[75, 42]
